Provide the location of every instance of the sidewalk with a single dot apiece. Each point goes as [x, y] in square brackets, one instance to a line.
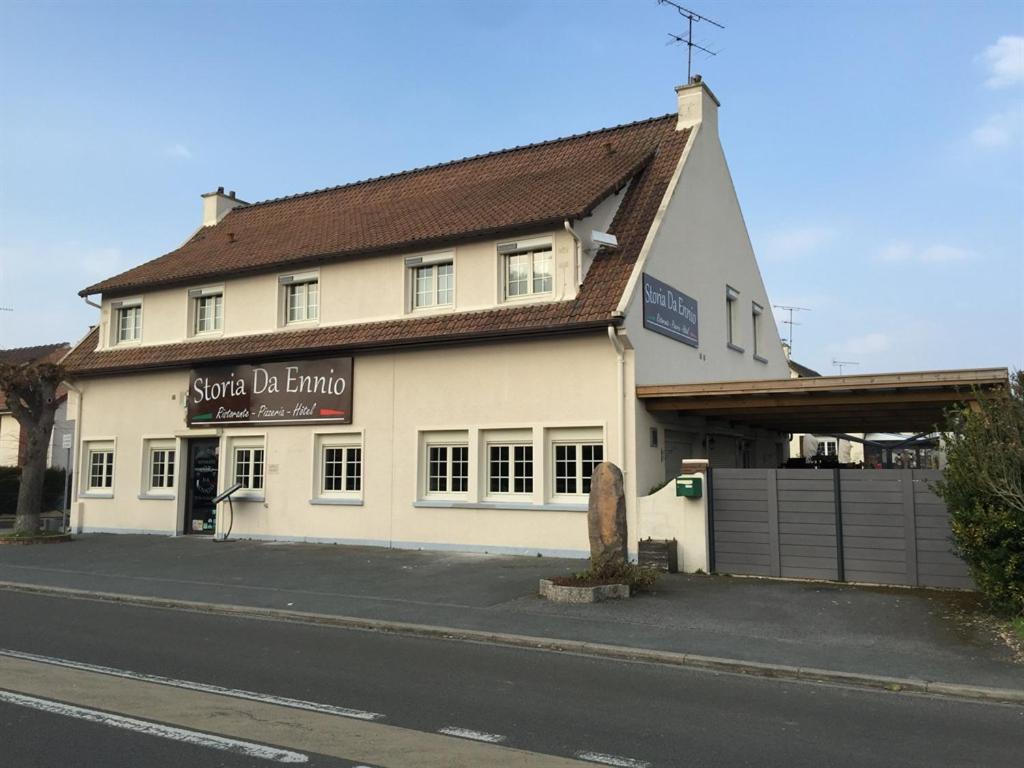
[887, 632]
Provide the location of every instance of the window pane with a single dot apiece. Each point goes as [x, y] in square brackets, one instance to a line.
[437, 474]
[460, 468]
[523, 469]
[257, 468]
[296, 299]
[243, 460]
[592, 456]
[312, 300]
[159, 468]
[445, 283]
[565, 469]
[499, 469]
[424, 286]
[333, 469]
[353, 469]
[517, 274]
[542, 271]
[170, 470]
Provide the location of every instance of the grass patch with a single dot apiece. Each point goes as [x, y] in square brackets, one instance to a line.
[33, 538]
[1017, 625]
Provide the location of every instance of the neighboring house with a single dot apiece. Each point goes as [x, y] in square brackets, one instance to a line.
[12, 447]
[813, 448]
[436, 358]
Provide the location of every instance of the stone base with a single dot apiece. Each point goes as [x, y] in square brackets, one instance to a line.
[559, 594]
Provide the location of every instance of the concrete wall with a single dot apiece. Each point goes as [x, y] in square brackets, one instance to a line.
[476, 389]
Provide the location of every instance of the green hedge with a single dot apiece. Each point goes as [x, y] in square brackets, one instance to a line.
[10, 479]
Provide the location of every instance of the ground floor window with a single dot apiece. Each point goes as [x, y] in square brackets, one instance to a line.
[161, 468]
[447, 468]
[249, 464]
[510, 468]
[573, 465]
[101, 468]
[342, 469]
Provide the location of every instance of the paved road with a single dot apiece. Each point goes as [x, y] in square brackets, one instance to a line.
[546, 708]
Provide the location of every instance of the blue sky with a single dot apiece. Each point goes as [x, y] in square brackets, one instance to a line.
[877, 148]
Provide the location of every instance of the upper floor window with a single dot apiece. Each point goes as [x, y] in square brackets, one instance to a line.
[732, 299]
[527, 268]
[434, 285]
[756, 310]
[301, 298]
[127, 321]
[207, 310]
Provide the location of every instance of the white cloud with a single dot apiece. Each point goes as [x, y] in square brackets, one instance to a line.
[1005, 60]
[179, 151]
[796, 242]
[1000, 129]
[937, 253]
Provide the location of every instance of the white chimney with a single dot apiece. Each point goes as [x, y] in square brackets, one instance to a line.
[697, 104]
[217, 204]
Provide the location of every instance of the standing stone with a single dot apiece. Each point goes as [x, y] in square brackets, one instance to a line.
[606, 516]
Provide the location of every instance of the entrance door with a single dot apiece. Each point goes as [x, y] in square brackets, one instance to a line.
[200, 511]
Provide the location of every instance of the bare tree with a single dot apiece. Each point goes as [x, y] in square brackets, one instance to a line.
[31, 391]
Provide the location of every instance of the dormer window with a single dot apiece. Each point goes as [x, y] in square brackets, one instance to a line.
[207, 310]
[527, 268]
[300, 298]
[127, 321]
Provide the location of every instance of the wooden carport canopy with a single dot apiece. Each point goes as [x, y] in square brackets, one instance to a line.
[884, 402]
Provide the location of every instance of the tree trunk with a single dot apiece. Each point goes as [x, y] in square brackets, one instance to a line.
[33, 475]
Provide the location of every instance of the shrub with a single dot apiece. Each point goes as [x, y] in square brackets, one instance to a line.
[639, 578]
[983, 487]
[10, 479]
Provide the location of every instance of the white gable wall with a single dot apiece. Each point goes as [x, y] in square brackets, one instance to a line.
[700, 246]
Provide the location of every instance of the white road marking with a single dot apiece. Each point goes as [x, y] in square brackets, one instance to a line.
[465, 733]
[265, 698]
[156, 729]
[618, 762]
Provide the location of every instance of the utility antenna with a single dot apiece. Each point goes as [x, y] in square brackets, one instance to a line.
[790, 322]
[690, 16]
[840, 363]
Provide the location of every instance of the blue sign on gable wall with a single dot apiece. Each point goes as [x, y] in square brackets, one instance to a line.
[669, 312]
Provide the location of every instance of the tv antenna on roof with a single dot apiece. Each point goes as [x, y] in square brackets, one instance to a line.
[790, 322]
[690, 16]
[840, 363]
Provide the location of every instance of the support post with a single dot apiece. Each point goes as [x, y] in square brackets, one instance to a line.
[909, 525]
[838, 501]
[774, 554]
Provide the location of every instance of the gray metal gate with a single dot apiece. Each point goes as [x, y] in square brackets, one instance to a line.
[877, 526]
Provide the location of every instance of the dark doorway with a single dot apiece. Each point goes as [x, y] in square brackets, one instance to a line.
[200, 511]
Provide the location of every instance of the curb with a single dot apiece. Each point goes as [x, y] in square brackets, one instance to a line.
[599, 650]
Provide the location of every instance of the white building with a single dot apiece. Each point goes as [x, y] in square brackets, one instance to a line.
[453, 348]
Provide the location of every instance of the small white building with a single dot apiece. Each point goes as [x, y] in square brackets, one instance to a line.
[435, 358]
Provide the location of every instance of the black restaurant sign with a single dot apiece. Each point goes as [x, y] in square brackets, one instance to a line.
[669, 312]
[301, 392]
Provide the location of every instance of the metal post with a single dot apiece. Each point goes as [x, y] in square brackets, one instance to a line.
[710, 491]
[838, 497]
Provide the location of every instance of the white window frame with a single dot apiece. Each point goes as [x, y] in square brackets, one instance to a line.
[432, 298]
[170, 468]
[530, 248]
[756, 315]
[578, 476]
[448, 476]
[528, 481]
[106, 448]
[310, 313]
[732, 300]
[248, 480]
[120, 309]
[348, 443]
[433, 262]
[824, 443]
[197, 297]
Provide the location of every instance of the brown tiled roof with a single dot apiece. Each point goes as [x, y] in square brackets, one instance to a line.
[646, 153]
[511, 190]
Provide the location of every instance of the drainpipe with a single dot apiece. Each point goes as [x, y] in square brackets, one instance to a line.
[73, 469]
[620, 360]
[579, 253]
[92, 303]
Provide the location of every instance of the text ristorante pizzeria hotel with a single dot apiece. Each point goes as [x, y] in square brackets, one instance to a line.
[436, 358]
